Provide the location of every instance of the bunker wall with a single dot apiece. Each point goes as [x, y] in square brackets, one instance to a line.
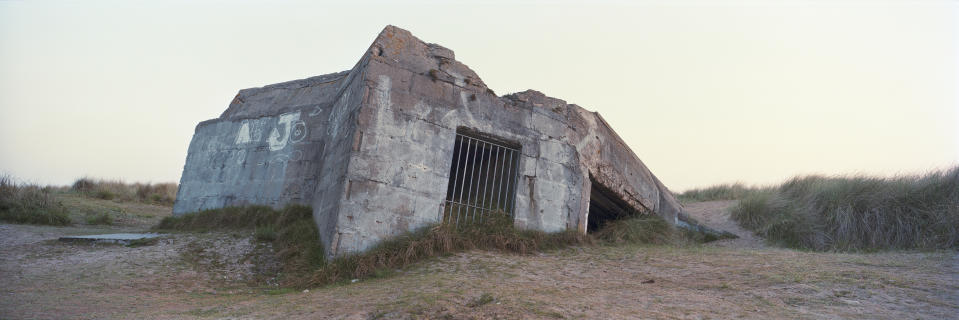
[264, 150]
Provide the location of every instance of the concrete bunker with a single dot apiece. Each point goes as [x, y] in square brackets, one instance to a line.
[410, 137]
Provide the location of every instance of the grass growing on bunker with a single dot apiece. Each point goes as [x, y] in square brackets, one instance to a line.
[857, 213]
[29, 203]
[496, 233]
[296, 239]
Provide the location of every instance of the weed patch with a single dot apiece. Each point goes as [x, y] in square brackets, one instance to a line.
[102, 218]
[484, 299]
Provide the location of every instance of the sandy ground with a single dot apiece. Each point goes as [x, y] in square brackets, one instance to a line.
[213, 276]
[715, 214]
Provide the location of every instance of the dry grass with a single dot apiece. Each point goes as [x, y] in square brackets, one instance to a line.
[295, 236]
[159, 193]
[734, 191]
[494, 233]
[59, 280]
[29, 203]
[857, 213]
[642, 229]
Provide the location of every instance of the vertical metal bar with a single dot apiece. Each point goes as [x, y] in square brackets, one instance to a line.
[492, 197]
[515, 181]
[457, 144]
[479, 180]
[502, 179]
[460, 199]
[509, 174]
[481, 206]
[469, 193]
[489, 158]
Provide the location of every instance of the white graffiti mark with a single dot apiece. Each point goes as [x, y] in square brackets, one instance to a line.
[257, 129]
[464, 99]
[280, 158]
[241, 157]
[280, 135]
[382, 91]
[316, 111]
[298, 132]
[243, 136]
[458, 79]
[285, 157]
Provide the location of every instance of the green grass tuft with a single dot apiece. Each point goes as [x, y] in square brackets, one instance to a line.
[29, 203]
[857, 213]
[265, 233]
[639, 230]
[483, 299]
[102, 218]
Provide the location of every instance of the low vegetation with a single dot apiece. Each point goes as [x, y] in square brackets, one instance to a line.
[494, 233]
[159, 193]
[857, 213]
[101, 218]
[295, 237]
[646, 229]
[29, 203]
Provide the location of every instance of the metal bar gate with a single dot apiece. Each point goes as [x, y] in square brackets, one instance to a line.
[482, 180]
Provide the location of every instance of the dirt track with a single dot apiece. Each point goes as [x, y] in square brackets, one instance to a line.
[206, 276]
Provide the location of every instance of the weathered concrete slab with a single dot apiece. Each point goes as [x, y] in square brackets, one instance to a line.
[371, 149]
[118, 238]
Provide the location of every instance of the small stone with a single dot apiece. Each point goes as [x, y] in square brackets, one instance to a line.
[306, 291]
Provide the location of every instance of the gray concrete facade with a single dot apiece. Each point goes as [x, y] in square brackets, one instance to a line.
[370, 149]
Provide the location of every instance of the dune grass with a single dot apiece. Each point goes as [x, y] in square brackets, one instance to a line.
[158, 193]
[29, 203]
[296, 239]
[734, 191]
[857, 213]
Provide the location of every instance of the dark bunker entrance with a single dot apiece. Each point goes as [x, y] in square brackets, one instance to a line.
[604, 207]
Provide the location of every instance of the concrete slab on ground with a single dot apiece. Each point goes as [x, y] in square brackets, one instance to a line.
[118, 238]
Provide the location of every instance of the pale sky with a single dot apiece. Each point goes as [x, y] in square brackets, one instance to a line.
[704, 92]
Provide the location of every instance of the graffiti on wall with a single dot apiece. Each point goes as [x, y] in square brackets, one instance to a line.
[287, 130]
[280, 132]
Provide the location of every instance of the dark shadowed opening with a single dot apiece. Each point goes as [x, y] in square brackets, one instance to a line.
[482, 178]
[605, 206]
